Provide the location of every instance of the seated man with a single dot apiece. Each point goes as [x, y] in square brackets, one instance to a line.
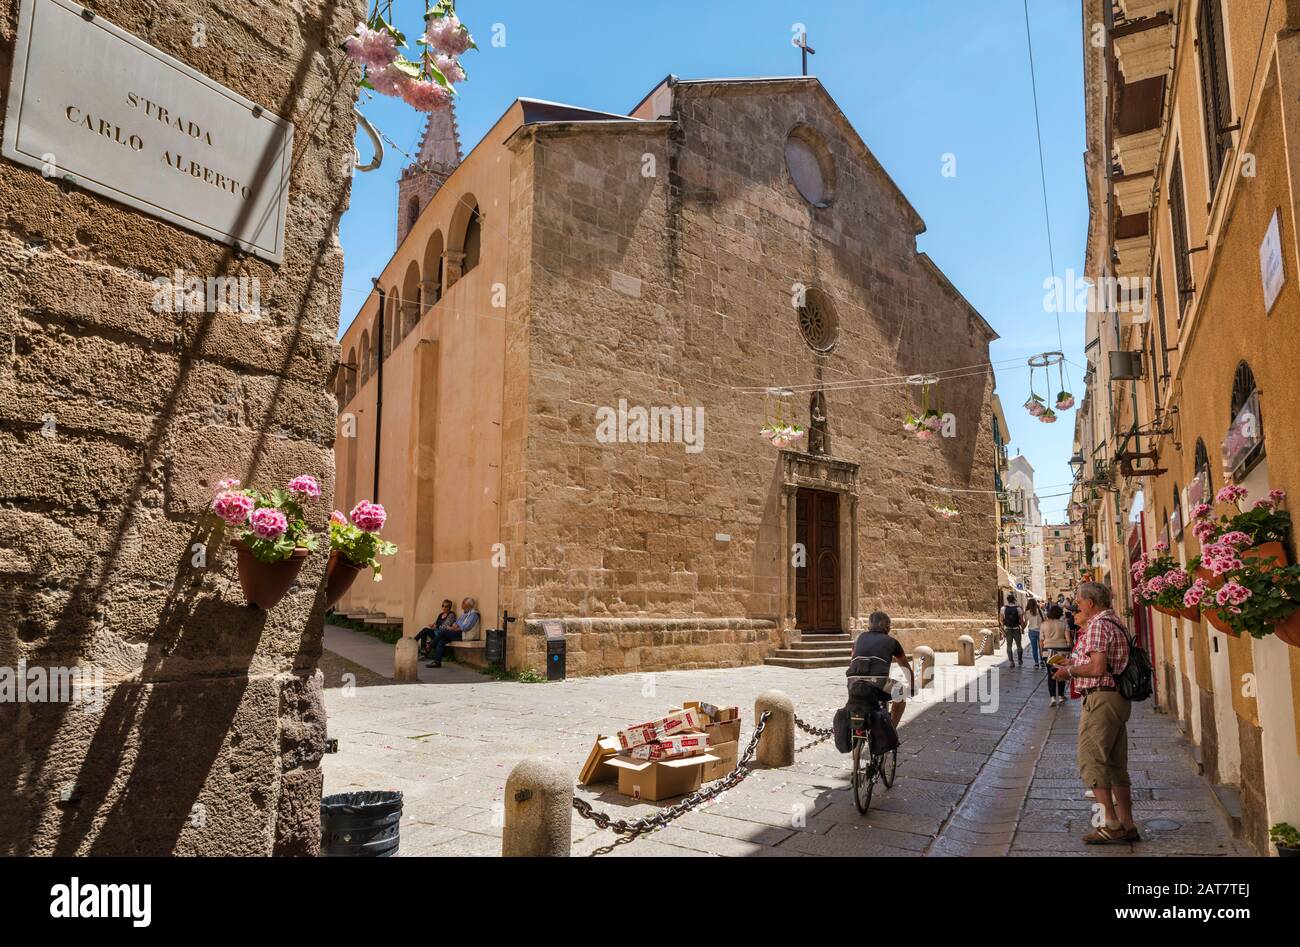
[466, 623]
[877, 642]
[445, 619]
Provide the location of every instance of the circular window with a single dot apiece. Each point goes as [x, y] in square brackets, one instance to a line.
[811, 166]
[817, 321]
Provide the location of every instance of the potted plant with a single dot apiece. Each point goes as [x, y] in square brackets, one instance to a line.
[927, 426]
[1035, 405]
[354, 546]
[1256, 590]
[1161, 582]
[271, 537]
[947, 512]
[1048, 416]
[1064, 401]
[1286, 838]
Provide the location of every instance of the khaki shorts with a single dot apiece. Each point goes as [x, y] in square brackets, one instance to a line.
[1103, 739]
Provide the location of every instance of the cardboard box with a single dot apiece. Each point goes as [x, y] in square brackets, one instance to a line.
[719, 733]
[676, 722]
[597, 769]
[727, 755]
[683, 744]
[652, 780]
[713, 713]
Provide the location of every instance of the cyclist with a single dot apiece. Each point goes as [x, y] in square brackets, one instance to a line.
[876, 642]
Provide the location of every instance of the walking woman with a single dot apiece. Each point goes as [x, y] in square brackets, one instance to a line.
[1034, 621]
[1056, 640]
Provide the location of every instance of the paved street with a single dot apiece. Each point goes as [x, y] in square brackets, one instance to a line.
[988, 776]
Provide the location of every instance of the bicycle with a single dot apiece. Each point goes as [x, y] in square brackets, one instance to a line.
[878, 766]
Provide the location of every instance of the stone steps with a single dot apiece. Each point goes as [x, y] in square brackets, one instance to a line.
[805, 661]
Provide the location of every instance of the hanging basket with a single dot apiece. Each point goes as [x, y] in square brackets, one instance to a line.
[266, 583]
[1288, 629]
[339, 576]
[1064, 401]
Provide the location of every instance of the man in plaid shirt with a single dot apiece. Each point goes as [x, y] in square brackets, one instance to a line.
[1102, 651]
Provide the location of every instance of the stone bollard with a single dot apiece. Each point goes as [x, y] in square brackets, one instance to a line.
[406, 660]
[988, 641]
[965, 651]
[924, 654]
[538, 810]
[776, 745]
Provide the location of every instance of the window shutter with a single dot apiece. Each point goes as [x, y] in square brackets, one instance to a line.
[1214, 86]
[1178, 222]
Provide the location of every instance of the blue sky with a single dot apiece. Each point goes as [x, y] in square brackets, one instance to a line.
[919, 79]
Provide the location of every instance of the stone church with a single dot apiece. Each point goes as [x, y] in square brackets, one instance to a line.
[558, 384]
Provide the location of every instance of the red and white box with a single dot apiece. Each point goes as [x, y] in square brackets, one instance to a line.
[642, 733]
[683, 744]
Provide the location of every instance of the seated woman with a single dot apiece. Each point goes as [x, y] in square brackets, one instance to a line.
[445, 619]
[462, 626]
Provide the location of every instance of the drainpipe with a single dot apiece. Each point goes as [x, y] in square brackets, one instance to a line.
[379, 387]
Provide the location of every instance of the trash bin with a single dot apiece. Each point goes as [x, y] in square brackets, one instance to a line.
[495, 651]
[360, 824]
[555, 657]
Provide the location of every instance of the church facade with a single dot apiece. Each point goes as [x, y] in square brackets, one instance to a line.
[558, 385]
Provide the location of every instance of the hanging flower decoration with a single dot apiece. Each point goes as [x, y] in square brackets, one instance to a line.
[947, 512]
[929, 423]
[425, 85]
[781, 433]
[1035, 405]
[926, 427]
[1048, 416]
[1064, 401]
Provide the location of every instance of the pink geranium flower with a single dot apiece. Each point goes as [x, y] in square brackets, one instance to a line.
[338, 518]
[1193, 596]
[305, 484]
[1232, 594]
[1202, 510]
[369, 516]
[233, 506]
[389, 80]
[268, 523]
[1230, 494]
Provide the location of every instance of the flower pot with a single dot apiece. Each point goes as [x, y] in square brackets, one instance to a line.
[265, 583]
[1288, 629]
[1287, 851]
[1274, 551]
[1165, 611]
[1191, 614]
[340, 573]
[1212, 616]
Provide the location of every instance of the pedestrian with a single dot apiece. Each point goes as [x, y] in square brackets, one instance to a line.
[1056, 640]
[446, 618]
[1013, 620]
[1100, 653]
[1034, 621]
[462, 626]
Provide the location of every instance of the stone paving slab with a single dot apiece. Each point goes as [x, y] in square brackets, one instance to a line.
[972, 779]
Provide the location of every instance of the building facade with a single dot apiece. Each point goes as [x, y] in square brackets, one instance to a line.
[1060, 568]
[1028, 567]
[1193, 170]
[584, 330]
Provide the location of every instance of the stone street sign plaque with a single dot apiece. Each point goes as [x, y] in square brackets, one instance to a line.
[90, 103]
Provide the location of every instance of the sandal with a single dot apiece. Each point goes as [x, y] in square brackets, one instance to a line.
[1107, 836]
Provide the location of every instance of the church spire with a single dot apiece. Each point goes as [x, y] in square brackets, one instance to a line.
[438, 157]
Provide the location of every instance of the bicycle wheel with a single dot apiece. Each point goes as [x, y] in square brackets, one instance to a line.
[864, 777]
[889, 768]
[888, 764]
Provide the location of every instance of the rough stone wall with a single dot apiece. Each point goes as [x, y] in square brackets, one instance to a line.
[212, 726]
[668, 291]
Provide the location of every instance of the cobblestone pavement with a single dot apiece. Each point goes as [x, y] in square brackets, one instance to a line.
[996, 782]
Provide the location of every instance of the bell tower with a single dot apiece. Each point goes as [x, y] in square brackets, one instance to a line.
[439, 156]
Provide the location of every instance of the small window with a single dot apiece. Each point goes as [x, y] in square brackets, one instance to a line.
[1215, 99]
[811, 166]
[473, 239]
[1178, 223]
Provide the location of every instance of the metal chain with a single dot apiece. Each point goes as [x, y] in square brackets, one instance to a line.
[632, 829]
[821, 733]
